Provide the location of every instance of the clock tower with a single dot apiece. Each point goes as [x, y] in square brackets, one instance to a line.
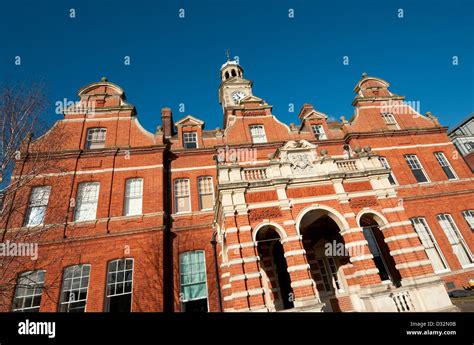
[233, 86]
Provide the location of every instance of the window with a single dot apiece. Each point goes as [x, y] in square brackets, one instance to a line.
[469, 217]
[391, 177]
[258, 134]
[206, 193]
[431, 246]
[95, 138]
[318, 131]
[29, 289]
[37, 206]
[328, 270]
[469, 146]
[133, 196]
[190, 140]
[390, 121]
[181, 196]
[416, 168]
[193, 282]
[74, 289]
[86, 201]
[377, 253]
[448, 170]
[119, 285]
[456, 240]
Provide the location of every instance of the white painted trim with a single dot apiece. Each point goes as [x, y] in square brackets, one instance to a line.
[295, 252]
[361, 257]
[413, 264]
[298, 268]
[407, 250]
[245, 276]
[401, 237]
[300, 283]
[292, 238]
[356, 244]
[279, 229]
[241, 245]
[395, 224]
[243, 260]
[332, 213]
[393, 209]
[350, 231]
[377, 214]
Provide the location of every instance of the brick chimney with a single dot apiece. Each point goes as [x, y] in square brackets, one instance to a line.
[167, 122]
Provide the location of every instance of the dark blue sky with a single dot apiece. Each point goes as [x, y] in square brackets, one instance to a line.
[295, 60]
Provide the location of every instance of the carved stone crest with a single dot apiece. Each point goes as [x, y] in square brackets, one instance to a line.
[301, 162]
[300, 154]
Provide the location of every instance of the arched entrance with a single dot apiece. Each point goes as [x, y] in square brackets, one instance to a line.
[276, 279]
[326, 254]
[379, 249]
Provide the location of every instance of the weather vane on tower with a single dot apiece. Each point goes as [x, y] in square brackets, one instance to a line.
[227, 53]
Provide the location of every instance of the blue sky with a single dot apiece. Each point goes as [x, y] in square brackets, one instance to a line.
[291, 60]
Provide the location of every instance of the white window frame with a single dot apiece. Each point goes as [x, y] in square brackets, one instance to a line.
[200, 192]
[181, 196]
[80, 202]
[455, 238]
[415, 164]
[318, 131]
[258, 134]
[30, 280]
[469, 217]
[384, 162]
[428, 241]
[39, 199]
[77, 274]
[116, 281]
[96, 137]
[390, 120]
[194, 139]
[444, 163]
[130, 207]
[205, 276]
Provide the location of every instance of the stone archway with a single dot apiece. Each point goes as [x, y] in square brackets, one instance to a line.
[274, 269]
[370, 223]
[326, 254]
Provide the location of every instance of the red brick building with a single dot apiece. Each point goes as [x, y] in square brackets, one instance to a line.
[374, 213]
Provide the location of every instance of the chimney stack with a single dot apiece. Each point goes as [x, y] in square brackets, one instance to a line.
[167, 122]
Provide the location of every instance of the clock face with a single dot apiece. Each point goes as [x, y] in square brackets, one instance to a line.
[237, 96]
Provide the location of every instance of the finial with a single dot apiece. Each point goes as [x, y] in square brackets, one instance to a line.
[364, 75]
[103, 79]
[227, 53]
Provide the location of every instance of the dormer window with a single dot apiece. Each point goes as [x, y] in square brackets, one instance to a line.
[390, 121]
[190, 140]
[95, 138]
[318, 131]
[258, 134]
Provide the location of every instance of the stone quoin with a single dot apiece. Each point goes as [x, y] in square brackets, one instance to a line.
[169, 221]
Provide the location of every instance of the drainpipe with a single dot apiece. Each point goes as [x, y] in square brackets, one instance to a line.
[216, 268]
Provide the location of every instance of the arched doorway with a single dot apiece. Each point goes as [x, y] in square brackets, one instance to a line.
[379, 249]
[326, 254]
[276, 279]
